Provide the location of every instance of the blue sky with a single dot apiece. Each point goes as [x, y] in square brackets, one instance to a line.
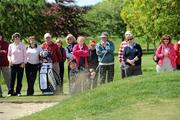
[84, 2]
[87, 2]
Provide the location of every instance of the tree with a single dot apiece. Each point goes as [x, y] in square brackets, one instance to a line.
[23, 16]
[152, 18]
[105, 17]
[65, 19]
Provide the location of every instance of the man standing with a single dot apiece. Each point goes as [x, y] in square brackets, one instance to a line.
[4, 64]
[105, 52]
[51, 47]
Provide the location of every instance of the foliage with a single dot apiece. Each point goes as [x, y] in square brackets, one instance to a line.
[152, 18]
[65, 19]
[23, 16]
[105, 17]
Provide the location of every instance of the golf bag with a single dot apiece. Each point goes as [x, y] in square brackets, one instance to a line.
[48, 78]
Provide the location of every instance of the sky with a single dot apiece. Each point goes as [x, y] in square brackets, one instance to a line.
[84, 2]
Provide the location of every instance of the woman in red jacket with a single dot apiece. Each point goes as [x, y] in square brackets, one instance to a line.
[177, 49]
[166, 54]
[80, 53]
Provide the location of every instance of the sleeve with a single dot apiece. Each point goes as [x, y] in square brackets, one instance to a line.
[4, 50]
[64, 54]
[24, 54]
[99, 51]
[139, 53]
[125, 55]
[159, 52]
[9, 53]
[58, 53]
[120, 54]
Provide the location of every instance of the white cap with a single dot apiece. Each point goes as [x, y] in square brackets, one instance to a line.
[47, 35]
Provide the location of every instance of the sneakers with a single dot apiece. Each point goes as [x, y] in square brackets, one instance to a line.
[14, 94]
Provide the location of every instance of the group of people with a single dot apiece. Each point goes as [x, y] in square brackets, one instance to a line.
[91, 59]
[130, 53]
[16, 57]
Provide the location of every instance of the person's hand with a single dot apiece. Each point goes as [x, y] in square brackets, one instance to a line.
[45, 61]
[107, 47]
[131, 62]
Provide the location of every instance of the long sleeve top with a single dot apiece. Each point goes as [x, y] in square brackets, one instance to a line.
[17, 53]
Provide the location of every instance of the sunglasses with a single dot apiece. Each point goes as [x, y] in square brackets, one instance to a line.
[166, 39]
[130, 39]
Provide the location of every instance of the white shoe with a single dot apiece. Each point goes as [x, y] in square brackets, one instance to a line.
[8, 95]
[18, 95]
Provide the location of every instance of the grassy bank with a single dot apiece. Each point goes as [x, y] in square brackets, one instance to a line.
[147, 97]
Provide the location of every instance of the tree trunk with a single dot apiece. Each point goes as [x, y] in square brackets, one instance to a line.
[147, 44]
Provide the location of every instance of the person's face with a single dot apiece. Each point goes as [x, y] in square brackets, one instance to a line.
[1, 37]
[92, 47]
[81, 42]
[32, 41]
[166, 41]
[130, 40]
[70, 40]
[59, 44]
[16, 39]
[48, 40]
[103, 39]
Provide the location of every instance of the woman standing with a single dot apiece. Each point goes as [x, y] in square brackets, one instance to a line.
[166, 54]
[17, 60]
[61, 63]
[71, 41]
[80, 53]
[177, 49]
[132, 57]
[32, 65]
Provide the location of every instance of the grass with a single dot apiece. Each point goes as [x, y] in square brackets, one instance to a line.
[148, 67]
[150, 96]
[146, 97]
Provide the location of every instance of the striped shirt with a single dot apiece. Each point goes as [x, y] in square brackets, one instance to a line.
[121, 49]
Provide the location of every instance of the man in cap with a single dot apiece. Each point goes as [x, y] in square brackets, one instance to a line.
[105, 52]
[52, 48]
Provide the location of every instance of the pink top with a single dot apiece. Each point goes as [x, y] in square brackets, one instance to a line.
[171, 54]
[17, 53]
[77, 53]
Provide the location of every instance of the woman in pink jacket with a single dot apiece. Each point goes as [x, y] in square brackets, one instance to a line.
[167, 55]
[80, 53]
[177, 49]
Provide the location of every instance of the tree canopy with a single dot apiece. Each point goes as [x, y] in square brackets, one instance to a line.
[105, 17]
[152, 18]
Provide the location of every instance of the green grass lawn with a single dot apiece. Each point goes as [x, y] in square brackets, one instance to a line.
[150, 96]
[146, 97]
